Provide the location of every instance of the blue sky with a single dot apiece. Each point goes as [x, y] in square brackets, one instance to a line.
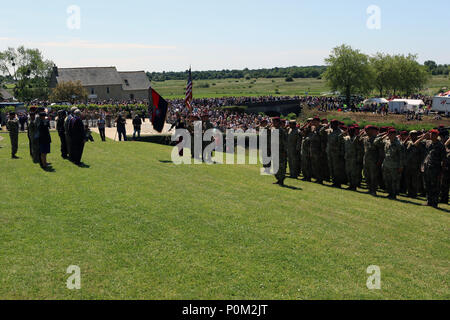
[172, 34]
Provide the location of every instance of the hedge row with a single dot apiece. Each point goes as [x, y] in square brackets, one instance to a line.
[93, 107]
[108, 107]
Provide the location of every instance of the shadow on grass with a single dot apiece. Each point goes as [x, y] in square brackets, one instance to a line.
[443, 210]
[291, 187]
[49, 169]
[166, 161]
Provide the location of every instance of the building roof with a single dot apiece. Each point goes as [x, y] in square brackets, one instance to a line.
[134, 80]
[5, 95]
[96, 76]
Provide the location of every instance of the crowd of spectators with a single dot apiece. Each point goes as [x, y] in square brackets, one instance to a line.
[223, 118]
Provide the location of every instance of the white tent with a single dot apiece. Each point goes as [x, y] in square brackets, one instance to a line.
[375, 100]
[404, 105]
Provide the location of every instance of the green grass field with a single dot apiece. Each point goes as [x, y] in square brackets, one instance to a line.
[172, 89]
[140, 227]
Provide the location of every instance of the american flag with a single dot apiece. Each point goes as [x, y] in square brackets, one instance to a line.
[188, 99]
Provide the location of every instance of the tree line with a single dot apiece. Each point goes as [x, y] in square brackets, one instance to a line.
[288, 72]
[352, 72]
[437, 69]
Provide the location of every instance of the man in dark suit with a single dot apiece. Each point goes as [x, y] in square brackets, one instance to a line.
[77, 137]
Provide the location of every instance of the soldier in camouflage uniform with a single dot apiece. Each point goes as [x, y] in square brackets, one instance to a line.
[282, 149]
[360, 158]
[380, 147]
[404, 138]
[412, 165]
[445, 180]
[353, 153]
[432, 166]
[13, 127]
[294, 148]
[370, 159]
[323, 156]
[335, 152]
[34, 143]
[316, 151]
[306, 156]
[393, 163]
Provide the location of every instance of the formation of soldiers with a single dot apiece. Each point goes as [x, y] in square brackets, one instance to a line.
[414, 163]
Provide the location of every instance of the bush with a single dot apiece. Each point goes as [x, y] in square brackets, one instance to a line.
[203, 85]
[289, 79]
[64, 91]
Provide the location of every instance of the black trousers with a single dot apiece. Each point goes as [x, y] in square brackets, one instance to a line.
[77, 151]
[64, 151]
[102, 134]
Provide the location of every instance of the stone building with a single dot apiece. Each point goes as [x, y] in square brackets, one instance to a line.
[104, 83]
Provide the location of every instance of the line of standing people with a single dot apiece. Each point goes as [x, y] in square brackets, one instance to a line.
[412, 163]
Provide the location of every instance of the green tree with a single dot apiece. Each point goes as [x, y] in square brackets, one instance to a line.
[384, 72]
[30, 71]
[409, 76]
[349, 71]
[431, 65]
[68, 91]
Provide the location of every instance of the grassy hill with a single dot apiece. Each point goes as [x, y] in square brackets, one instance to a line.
[140, 227]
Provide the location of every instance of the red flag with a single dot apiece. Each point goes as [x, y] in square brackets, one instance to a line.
[159, 114]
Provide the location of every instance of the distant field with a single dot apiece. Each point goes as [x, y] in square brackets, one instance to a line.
[173, 89]
[437, 83]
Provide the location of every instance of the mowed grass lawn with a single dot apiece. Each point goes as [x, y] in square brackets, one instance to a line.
[140, 227]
